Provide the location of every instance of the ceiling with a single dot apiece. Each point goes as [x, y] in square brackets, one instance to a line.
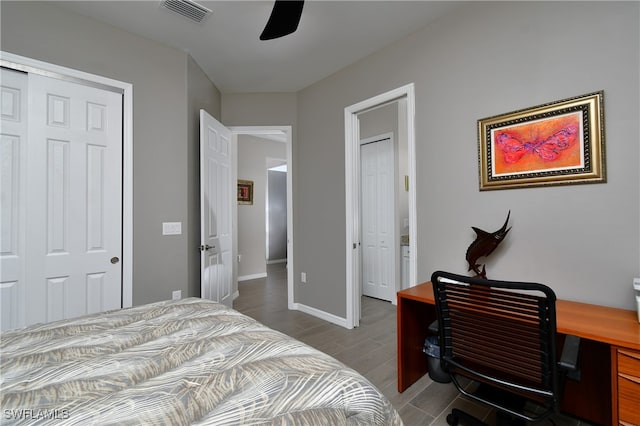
[331, 36]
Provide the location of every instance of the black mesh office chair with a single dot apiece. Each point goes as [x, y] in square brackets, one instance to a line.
[502, 337]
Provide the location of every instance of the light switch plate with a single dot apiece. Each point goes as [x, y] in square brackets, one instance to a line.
[171, 228]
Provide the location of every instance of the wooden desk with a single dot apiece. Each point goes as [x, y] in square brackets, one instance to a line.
[607, 335]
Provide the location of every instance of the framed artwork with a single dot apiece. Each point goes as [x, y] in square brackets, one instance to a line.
[556, 143]
[245, 191]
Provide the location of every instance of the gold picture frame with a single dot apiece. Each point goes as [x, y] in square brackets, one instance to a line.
[245, 191]
[561, 142]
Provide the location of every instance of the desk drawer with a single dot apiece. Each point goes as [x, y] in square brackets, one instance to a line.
[629, 362]
[628, 387]
[628, 399]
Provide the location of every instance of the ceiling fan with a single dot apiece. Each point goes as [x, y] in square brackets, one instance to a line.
[284, 19]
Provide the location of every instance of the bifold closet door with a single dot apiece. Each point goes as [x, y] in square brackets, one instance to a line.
[377, 207]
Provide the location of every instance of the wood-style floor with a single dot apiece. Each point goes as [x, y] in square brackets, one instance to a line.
[370, 349]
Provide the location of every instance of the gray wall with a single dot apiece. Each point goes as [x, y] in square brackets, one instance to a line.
[253, 153]
[260, 109]
[485, 59]
[378, 121]
[163, 144]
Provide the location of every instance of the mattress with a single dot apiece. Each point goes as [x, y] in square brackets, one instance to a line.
[190, 361]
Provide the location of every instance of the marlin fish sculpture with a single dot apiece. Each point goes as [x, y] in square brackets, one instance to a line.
[484, 244]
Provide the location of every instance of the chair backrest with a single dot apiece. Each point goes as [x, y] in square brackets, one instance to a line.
[499, 333]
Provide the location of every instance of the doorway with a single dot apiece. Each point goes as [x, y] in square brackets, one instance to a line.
[404, 97]
[283, 134]
[276, 211]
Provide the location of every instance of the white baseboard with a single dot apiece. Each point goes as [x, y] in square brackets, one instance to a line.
[334, 319]
[252, 277]
[271, 262]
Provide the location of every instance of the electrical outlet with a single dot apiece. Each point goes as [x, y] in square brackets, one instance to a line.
[303, 277]
[171, 228]
[176, 295]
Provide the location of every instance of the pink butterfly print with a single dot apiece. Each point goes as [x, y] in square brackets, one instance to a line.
[548, 149]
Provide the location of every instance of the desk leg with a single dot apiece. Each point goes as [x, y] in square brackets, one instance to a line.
[413, 322]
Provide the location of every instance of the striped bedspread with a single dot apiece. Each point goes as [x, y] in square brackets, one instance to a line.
[190, 361]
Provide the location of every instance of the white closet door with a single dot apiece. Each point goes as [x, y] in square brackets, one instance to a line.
[71, 191]
[378, 203]
[13, 157]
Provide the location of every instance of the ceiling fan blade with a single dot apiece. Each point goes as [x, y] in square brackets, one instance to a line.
[284, 19]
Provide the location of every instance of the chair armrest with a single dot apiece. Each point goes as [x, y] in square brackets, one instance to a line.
[569, 358]
[570, 350]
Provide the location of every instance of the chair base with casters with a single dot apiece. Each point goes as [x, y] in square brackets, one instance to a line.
[513, 402]
[502, 419]
[502, 336]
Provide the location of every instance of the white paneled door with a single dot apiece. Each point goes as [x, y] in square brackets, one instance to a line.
[61, 199]
[377, 211]
[216, 198]
[13, 161]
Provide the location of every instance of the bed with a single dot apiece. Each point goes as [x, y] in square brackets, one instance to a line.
[190, 361]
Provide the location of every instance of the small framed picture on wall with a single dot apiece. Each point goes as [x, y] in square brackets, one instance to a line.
[245, 191]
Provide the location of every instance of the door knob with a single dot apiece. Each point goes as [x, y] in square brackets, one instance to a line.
[115, 260]
[206, 247]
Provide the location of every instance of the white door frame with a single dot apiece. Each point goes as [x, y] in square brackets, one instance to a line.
[352, 190]
[270, 132]
[25, 64]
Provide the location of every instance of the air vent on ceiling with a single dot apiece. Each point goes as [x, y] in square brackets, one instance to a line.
[188, 9]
